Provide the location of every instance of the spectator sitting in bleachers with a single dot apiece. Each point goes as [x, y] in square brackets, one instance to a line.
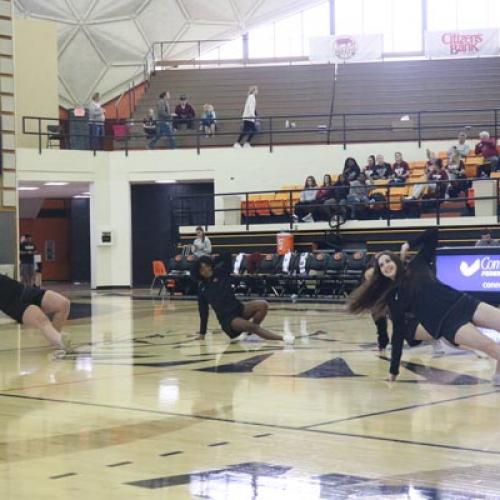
[438, 173]
[487, 240]
[326, 192]
[400, 169]
[421, 190]
[456, 173]
[340, 192]
[487, 147]
[359, 195]
[351, 169]
[382, 169]
[149, 124]
[370, 167]
[462, 148]
[305, 207]
[208, 120]
[184, 114]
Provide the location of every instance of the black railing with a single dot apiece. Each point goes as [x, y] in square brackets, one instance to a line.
[372, 208]
[320, 128]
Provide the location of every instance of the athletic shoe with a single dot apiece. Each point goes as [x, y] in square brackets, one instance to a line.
[237, 145]
[239, 338]
[308, 218]
[247, 145]
[288, 339]
[444, 348]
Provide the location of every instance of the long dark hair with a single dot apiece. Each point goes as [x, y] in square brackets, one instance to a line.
[314, 183]
[195, 270]
[373, 293]
[372, 158]
[329, 177]
[347, 160]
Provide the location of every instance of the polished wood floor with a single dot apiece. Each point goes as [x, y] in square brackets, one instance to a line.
[144, 411]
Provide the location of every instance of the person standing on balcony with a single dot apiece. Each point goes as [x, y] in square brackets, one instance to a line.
[163, 128]
[249, 128]
[97, 117]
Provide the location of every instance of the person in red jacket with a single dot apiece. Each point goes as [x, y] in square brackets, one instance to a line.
[487, 147]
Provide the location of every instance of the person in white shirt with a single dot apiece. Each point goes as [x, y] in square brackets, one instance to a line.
[96, 122]
[249, 116]
[201, 245]
[461, 148]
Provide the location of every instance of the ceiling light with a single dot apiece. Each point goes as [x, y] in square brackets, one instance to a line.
[56, 184]
[166, 182]
[27, 188]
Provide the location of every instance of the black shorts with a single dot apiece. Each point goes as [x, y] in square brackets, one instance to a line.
[459, 315]
[29, 297]
[225, 322]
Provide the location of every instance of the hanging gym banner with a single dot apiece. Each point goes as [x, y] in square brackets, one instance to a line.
[346, 48]
[462, 43]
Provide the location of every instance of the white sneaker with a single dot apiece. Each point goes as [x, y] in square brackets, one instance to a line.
[447, 349]
[308, 218]
[288, 339]
[247, 145]
[240, 338]
[237, 145]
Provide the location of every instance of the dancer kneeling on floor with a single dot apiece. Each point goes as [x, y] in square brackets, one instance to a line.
[423, 308]
[234, 317]
[31, 306]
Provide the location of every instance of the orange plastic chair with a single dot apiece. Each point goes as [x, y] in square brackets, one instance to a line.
[262, 207]
[159, 274]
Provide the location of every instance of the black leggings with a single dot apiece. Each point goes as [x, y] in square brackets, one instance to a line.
[249, 129]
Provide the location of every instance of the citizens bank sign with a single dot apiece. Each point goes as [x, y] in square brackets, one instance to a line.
[470, 273]
[462, 43]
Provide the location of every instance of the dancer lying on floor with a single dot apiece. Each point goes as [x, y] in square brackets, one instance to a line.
[235, 318]
[31, 307]
[423, 308]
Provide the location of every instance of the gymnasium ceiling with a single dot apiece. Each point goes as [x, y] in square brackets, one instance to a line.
[103, 43]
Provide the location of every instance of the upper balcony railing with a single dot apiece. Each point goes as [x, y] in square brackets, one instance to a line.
[344, 129]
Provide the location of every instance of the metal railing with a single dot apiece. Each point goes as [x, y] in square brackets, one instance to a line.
[314, 128]
[372, 207]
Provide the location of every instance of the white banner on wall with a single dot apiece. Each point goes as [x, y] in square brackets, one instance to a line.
[461, 43]
[346, 48]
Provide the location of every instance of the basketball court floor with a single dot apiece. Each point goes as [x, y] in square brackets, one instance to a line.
[145, 411]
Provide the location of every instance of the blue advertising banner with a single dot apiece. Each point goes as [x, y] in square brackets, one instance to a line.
[473, 272]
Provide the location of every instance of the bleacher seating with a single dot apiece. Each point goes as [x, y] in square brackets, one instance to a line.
[406, 87]
[276, 206]
[283, 90]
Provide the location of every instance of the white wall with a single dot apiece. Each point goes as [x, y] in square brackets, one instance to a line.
[232, 170]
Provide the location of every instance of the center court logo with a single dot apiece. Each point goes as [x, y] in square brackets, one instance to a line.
[469, 270]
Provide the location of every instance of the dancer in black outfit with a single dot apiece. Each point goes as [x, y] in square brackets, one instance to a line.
[234, 317]
[381, 322]
[423, 308]
[31, 306]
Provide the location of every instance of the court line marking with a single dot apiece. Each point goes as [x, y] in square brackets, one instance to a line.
[60, 476]
[260, 424]
[402, 408]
